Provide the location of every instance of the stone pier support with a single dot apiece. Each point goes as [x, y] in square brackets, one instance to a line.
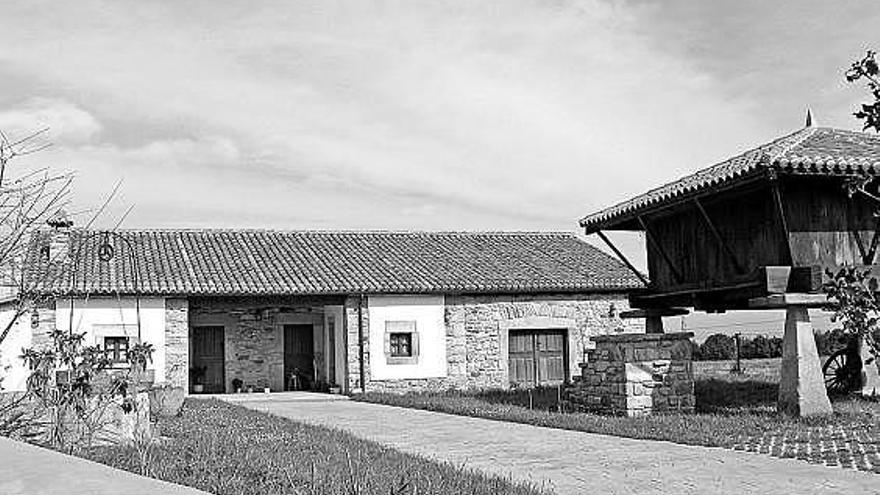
[801, 388]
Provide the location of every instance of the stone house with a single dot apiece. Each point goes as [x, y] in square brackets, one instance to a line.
[352, 311]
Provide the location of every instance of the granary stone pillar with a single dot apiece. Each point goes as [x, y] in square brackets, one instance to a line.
[801, 387]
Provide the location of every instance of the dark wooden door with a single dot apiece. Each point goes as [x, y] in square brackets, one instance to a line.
[207, 353]
[537, 357]
[299, 355]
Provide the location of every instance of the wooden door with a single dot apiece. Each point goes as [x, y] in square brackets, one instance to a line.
[207, 353]
[537, 357]
[299, 355]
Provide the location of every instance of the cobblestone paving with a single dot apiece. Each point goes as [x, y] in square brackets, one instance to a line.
[830, 446]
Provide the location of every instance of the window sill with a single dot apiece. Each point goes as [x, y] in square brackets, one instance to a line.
[393, 360]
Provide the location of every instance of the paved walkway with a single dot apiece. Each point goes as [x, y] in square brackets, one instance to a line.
[29, 470]
[569, 462]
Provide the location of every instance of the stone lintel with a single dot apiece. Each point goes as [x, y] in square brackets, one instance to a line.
[641, 337]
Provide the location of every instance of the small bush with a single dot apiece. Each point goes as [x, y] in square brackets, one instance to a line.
[760, 347]
[718, 347]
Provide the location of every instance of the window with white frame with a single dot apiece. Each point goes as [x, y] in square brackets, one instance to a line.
[401, 342]
[115, 340]
[116, 349]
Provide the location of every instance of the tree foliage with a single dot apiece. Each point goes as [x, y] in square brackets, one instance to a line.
[73, 385]
[853, 301]
[718, 347]
[866, 69]
[28, 198]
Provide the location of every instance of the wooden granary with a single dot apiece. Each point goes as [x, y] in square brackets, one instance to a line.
[759, 231]
[765, 222]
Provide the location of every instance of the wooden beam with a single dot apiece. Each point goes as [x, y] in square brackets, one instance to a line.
[653, 242]
[623, 258]
[781, 301]
[717, 235]
[780, 215]
[854, 231]
[872, 251]
[648, 312]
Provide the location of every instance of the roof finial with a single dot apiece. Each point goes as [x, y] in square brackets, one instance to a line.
[809, 119]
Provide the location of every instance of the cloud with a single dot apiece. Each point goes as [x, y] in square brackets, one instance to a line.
[67, 122]
[496, 114]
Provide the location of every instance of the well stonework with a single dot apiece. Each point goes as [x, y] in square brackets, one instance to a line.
[636, 374]
[477, 329]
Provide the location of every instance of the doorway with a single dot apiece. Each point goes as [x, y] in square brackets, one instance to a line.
[208, 359]
[299, 357]
[537, 357]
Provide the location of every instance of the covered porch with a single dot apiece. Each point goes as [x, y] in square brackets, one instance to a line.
[242, 344]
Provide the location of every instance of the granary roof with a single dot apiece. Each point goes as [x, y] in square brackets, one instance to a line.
[266, 262]
[811, 150]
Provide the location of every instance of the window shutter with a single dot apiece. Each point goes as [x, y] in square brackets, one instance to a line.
[387, 344]
[415, 344]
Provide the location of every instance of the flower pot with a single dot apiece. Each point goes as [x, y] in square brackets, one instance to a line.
[198, 388]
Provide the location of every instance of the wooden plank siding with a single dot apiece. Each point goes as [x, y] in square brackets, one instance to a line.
[826, 229]
[745, 222]
[824, 222]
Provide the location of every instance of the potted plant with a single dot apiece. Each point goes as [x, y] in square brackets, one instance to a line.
[197, 378]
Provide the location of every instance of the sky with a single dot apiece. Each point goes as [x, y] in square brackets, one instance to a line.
[489, 115]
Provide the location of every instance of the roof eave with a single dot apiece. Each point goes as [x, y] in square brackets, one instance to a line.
[603, 220]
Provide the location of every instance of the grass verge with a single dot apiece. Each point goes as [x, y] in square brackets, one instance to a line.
[729, 414]
[226, 449]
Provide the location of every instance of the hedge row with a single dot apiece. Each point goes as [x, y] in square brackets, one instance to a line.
[721, 346]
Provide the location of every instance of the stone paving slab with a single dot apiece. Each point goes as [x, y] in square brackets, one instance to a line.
[570, 462]
[30, 470]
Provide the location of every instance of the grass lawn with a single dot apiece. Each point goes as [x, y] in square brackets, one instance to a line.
[737, 415]
[226, 449]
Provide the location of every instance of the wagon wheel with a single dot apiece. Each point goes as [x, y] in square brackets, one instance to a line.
[842, 373]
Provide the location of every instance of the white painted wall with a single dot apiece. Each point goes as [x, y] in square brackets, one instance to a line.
[105, 317]
[428, 313]
[12, 368]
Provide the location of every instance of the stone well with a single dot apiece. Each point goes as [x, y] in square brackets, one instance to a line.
[636, 374]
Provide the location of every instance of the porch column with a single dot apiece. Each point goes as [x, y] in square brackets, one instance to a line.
[177, 342]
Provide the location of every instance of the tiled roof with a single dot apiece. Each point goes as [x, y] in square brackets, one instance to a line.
[812, 150]
[263, 262]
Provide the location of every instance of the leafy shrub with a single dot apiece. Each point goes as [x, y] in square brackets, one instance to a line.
[831, 341]
[760, 347]
[718, 347]
[71, 384]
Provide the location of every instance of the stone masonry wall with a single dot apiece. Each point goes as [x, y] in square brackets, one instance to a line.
[477, 329]
[351, 317]
[636, 374]
[177, 342]
[43, 324]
